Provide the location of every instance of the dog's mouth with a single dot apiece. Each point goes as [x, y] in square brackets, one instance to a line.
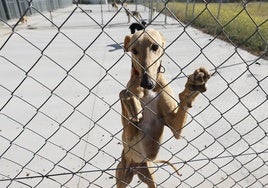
[147, 82]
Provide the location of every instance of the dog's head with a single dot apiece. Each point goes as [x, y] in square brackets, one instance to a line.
[147, 49]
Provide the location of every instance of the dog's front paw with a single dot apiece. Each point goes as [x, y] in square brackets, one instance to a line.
[197, 81]
[132, 106]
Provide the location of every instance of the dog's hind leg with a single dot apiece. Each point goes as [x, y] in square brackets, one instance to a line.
[139, 16]
[124, 173]
[128, 18]
[145, 174]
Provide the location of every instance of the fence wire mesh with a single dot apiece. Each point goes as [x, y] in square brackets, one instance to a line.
[62, 71]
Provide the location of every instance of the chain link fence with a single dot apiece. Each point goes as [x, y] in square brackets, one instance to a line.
[12, 9]
[60, 76]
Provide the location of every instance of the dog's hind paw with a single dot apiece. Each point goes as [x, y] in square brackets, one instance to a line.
[197, 81]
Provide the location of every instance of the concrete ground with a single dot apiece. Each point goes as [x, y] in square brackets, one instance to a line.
[60, 113]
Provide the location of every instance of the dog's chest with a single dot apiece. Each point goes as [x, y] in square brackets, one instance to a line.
[150, 119]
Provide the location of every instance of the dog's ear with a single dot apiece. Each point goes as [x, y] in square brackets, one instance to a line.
[126, 42]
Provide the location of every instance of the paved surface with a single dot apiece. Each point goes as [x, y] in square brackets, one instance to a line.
[85, 68]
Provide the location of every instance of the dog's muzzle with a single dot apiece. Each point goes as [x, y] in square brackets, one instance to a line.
[147, 82]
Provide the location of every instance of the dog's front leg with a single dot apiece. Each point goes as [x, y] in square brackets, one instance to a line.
[195, 84]
[132, 106]
[131, 114]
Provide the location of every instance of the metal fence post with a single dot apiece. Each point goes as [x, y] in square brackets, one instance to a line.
[186, 9]
[150, 6]
[3, 11]
[18, 4]
[50, 11]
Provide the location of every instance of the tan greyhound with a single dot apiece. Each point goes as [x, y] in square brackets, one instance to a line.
[148, 105]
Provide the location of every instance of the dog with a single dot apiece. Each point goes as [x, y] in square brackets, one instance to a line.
[137, 26]
[134, 13]
[115, 5]
[24, 20]
[148, 105]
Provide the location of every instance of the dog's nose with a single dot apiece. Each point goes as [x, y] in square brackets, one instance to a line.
[147, 82]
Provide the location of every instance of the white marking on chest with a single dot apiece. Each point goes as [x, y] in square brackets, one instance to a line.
[150, 124]
[150, 111]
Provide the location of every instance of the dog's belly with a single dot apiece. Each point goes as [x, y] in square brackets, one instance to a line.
[147, 142]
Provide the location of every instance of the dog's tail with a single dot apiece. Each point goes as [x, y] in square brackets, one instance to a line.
[170, 164]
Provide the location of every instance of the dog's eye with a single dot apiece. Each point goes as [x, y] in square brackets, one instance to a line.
[134, 51]
[154, 47]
